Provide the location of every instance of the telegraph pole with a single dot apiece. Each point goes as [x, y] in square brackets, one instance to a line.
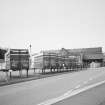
[30, 57]
[30, 48]
[19, 63]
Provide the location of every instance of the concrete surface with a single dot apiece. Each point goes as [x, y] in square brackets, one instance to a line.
[38, 91]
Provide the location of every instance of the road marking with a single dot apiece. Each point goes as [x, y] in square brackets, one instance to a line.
[77, 86]
[67, 93]
[70, 94]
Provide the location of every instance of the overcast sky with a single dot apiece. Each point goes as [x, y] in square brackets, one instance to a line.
[52, 24]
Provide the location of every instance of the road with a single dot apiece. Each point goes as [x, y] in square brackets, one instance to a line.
[40, 91]
[93, 96]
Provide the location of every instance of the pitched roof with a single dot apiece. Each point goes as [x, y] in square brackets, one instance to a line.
[86, 50]
[93, 56]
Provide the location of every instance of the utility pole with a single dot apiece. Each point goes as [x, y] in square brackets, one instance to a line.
[30, 57]
[30, 49]
[19, 62]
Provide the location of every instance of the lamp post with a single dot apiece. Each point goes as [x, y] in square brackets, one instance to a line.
[30, 48]
[19, 63]
[30, 57]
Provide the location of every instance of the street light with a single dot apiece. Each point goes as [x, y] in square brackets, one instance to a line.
[30, 57]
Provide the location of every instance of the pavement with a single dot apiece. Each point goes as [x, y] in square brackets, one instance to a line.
[16, 78]
[37, 92]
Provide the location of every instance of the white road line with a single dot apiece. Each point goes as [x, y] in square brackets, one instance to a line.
[69, 94]
[77, 86]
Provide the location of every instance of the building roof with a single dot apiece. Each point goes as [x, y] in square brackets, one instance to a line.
[87, 53]
[86, 50]
[93, 56]
[76, 51]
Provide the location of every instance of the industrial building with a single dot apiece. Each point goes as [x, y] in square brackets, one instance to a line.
[17, 59]
[68, 58]
[2, 58]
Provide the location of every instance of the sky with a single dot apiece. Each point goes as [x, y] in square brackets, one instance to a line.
[52, 24]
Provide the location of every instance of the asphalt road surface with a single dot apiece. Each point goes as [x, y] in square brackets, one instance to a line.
[93, 96]
[37, 92]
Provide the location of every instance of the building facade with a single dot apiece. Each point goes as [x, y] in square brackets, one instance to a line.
[17, 59]
[68, 58]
